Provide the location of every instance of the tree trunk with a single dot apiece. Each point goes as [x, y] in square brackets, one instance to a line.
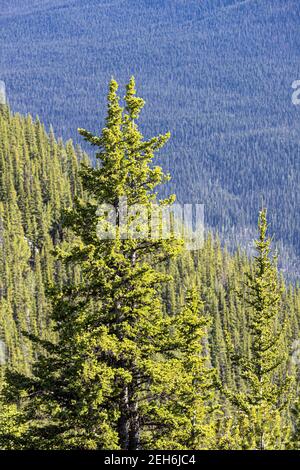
[134, 431]
[124, 423]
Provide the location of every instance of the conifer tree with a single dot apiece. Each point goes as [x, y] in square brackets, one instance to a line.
[80, 406]
[190, 392]
[122, 374]
[261, 406]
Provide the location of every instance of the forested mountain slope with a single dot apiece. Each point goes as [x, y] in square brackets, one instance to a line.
[39, 178]
[217, 74]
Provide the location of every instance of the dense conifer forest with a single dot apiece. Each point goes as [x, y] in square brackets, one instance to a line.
[218, 74]
[126, 343]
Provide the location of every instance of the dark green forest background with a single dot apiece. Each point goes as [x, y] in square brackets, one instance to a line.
[132, 344]
[216, 73]
[39, 181]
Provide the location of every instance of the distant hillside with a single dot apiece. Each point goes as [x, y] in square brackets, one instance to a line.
[38, 179]
[217, 73]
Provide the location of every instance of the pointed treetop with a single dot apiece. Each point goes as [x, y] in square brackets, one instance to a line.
[134, 105]
[113, 85]
[114, 115]
[262, 224]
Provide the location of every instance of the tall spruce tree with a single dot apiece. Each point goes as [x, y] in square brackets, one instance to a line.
[122, 373]
[268, 391]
